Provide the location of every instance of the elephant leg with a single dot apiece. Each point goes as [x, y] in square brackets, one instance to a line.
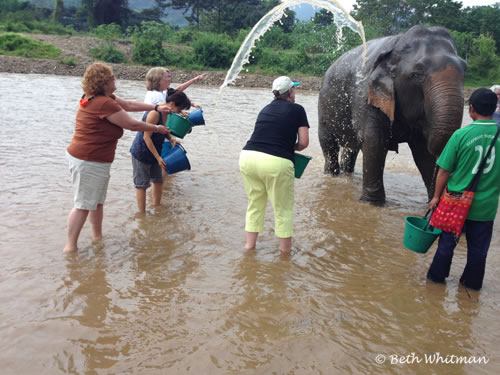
[348, 159]
[330, 149]
[426, 163]
[374, 153]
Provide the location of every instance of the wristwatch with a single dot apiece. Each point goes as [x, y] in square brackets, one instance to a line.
[156, 108]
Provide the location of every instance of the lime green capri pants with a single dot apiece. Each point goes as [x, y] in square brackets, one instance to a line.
[266, 176]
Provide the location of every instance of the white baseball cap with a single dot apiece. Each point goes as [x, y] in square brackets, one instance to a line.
[283, 84]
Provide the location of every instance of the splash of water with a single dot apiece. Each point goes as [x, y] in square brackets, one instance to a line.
[341, 18]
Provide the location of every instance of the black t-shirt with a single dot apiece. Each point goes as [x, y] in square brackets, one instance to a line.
[276, 129]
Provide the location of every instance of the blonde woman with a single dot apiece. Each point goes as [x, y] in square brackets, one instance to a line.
[158, 82]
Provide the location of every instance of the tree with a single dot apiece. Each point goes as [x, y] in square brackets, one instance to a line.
[485, 61]
[106, 11]
[465, 44]
[58, 11]
[482, 20]
[224, 16]
[389, 17]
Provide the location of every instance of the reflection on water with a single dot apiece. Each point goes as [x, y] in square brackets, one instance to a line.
[174, 292]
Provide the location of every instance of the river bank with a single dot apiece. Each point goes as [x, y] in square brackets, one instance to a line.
[76, 49]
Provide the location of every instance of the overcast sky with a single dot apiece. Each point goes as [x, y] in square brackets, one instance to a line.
[466, 3]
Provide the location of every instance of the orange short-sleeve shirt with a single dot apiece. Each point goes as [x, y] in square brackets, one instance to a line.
[95, 138]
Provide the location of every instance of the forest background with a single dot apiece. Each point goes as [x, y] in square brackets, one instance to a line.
[206, 34]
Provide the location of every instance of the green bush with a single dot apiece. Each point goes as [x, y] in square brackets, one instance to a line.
[214, 50]
[24, 21]
[185, 36]
[283, 62]
[70, 61]
[148, 44]
[108, 53]
[14, 27]
[483, 65]
[276, 38]
[18, 45]
[108, 32]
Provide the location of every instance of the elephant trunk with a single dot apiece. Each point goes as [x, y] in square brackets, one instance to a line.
[445, 98]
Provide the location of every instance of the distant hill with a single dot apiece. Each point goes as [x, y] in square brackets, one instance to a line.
[174, 17]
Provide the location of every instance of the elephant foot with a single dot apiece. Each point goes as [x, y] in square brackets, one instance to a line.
[378, 201]
[333, 171]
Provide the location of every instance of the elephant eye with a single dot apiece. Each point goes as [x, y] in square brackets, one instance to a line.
[416, 75]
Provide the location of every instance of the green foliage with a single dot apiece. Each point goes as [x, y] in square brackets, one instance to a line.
[465, 44]
[108, 32]
[214, 50]
[58, 11]
[148, 40]
[485, 62]
[481, 20]
[276, 38]
[290, 46]
[185, 36]
[151, 30]
[224, 16]
[28, 20]
[106, 11]
[70, 61]
[108, 53]
[17, 45]
[106, 50]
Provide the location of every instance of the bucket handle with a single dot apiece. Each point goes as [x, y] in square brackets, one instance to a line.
[431, 210]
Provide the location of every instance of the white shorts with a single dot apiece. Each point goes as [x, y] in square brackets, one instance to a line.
[90, 182]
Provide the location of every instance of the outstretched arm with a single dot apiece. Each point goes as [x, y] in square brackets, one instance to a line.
[135, 106]
[125, 121]
[186, 84]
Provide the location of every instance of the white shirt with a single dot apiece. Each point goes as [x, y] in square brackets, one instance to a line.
[154, 97]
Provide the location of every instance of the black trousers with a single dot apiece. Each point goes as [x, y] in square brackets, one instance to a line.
[478, 235]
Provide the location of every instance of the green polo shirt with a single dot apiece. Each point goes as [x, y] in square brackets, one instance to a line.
[462, 155]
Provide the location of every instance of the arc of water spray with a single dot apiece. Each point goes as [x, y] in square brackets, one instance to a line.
[340, 15]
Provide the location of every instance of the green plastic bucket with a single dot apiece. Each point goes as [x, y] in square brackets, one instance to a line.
[178, 125]
[300, 163]
[419, 235]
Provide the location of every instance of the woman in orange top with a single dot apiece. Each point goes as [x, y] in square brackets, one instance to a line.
[100, 121]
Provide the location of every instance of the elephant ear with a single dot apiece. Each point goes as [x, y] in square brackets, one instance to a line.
[381, 87]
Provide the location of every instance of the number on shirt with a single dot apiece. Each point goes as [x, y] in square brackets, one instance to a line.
[489, 162]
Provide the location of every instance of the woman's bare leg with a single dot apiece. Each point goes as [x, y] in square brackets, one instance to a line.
[285, 245]
[251, 240]
[76, 220]
[95, 218]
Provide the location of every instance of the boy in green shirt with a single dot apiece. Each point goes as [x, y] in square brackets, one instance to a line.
[458, 164]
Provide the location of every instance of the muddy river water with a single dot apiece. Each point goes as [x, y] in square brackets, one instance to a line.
[173, 292]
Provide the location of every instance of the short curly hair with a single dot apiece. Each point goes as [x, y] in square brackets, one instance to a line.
[95, 78]
[153, 78]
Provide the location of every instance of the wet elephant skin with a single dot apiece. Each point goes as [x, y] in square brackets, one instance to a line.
[410, 89]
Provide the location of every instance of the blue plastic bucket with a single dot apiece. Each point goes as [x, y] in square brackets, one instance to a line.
[167, 147]
[196, 117]
[178, 125]
[177, 160]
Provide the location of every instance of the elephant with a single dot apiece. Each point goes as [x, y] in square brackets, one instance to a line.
[409, 89]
